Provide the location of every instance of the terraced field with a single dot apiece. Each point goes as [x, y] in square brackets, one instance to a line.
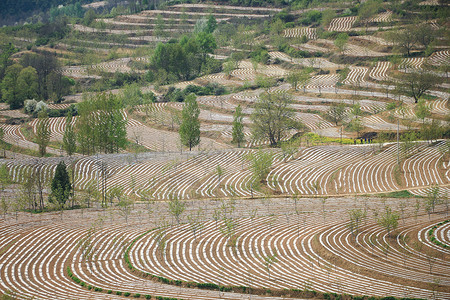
[317, 247]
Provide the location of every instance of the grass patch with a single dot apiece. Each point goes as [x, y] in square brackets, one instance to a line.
[399, 194]
[314, 139]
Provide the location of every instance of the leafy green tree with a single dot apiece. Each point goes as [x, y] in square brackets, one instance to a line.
[176, 208]
[422, 110]
[69, 137]
[388, 220]
[336, 112]
[60, 185]
[27, 84]
[367, 10]
[238, 127]
[43, 132]
[416, 83]
[10, 89]
[356, 125]
[190, 125]
[101, 126]
[327, 16]
[260, 164]
[403, 39]
[273, 117]
[356, 216]
[341, 41]
[211, 25]
[299, 78]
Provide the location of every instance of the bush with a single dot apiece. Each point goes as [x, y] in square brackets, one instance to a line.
[147, 296]
[127, 294]
[109, 292]
[137, 295]
[119, 293]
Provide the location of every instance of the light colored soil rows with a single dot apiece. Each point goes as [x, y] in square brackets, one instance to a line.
[382, 17]
[342, 24]
[161, 140]
[440, 106]
[310, 33]
[56, 126]
[411, 63]
[228, 7]
[322, 81]
[423, 167]
[307, 62]
[439, 58]
[374, 39]
[356, 75]
[14, 136]
[313, 121]
[379, 72]
[207, 257]
[377, 123]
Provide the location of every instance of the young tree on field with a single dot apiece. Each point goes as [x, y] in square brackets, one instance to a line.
[336, 112]
[356, 216]
[190, 125]
[260, 164]
[10, 88]
[367, 10]
[432, 130]
[299, 78]
[422, 110]
[416, 83]
[5, 178]
[432, 199]
[403, 39]
[341, 41]
[60, 185]
[69, 137]
[273, 117]
[42, 132]
[27, 190]
[230, 66]
[124, 205]
[356, 125]
[388, 219]
[269, 260]
[327, 16]
[4, 207]
[176, 208]
[238, 127]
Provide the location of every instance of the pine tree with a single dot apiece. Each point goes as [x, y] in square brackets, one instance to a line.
[190, 125]
[69, 138]
[61, 185]
[238, 127]
[42, 132]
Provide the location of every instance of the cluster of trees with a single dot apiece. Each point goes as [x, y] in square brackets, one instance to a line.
[35, 77]
[187, 58]
[101, 125]
[413, 36]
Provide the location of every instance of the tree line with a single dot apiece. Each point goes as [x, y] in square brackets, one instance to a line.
[35, 76]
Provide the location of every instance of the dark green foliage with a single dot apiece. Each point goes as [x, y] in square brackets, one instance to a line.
[101, 126]
[185, 59]
[127, 294]
[61, 185]
[190, 125]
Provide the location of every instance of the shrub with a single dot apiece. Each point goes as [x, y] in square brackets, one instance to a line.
[148, 296]
[109, 292]
[119, 293]
[137, 295]
[127, 294]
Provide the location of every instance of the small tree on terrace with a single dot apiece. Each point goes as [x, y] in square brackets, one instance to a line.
[356, 216]
[190, 125]
[388, 220]
[176, 208]
[60, 185]
[273, 117]
[260, 164]
[416, 83]
[336, 112]
[238, 127]
[42, 132]
[341, 41]
[69, 138]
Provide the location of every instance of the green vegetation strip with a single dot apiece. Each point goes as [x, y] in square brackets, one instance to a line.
[306, 293]
[433, 239]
